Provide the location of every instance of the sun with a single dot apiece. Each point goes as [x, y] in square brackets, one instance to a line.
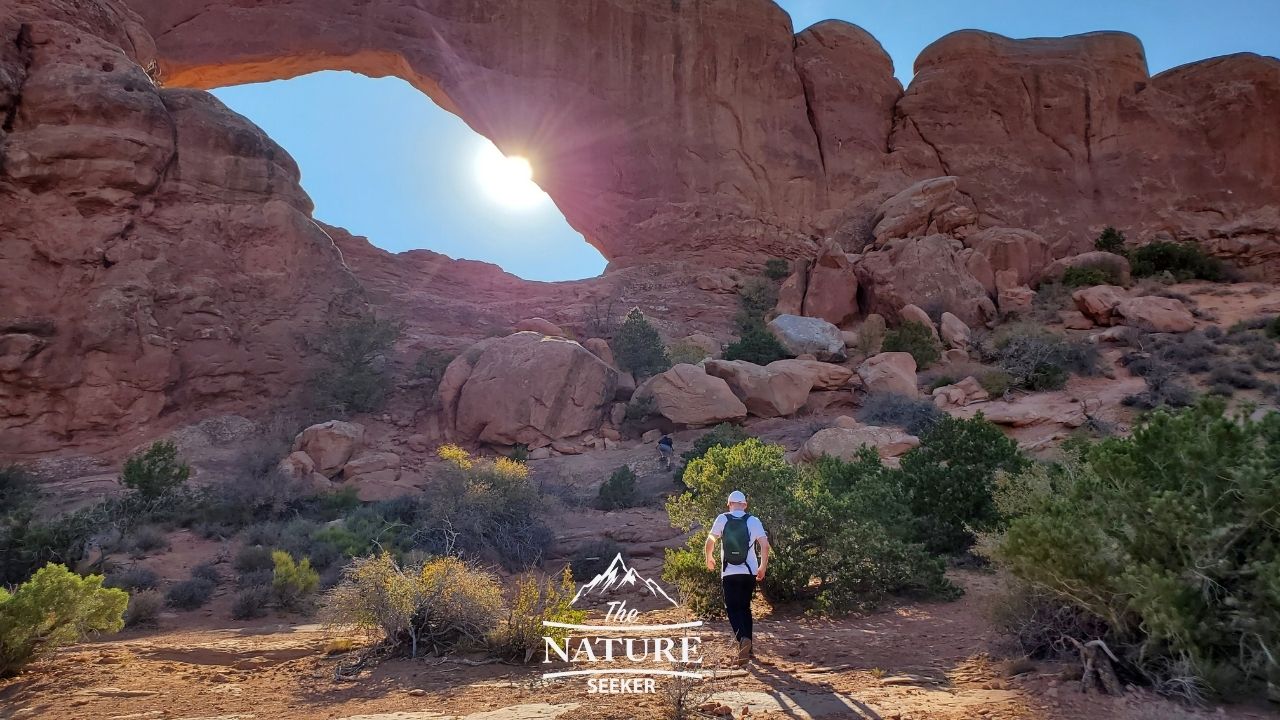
[507, 180]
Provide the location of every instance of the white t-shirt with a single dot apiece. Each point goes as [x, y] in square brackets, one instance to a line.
[756, 531]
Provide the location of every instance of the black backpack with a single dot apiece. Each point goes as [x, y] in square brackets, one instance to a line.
[736, 538]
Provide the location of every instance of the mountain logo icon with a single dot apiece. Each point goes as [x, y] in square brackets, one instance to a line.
[618, 576]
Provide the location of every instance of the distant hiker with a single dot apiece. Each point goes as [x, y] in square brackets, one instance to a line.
[738, 533]
[666, 449]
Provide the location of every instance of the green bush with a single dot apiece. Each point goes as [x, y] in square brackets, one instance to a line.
[840, 529]
[619, 491]
[757, 345]
[756, 299]
[915, 415]
[1089, 276]
[189, 594]
[1111, 240]
[1273, 328]
[55, 607]
[1037, 359]
[638, 347]
[914, 338]
[18, 490]
[686, 353]
[156, 471]
[996, 383]
[777, 269]
[950, 480]
[1168, 538]
[292, 581]
[520, 637]
[207, 571]
[1184, 261]
[355, 374]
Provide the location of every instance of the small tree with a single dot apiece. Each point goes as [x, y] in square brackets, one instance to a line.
[638, 347]
[156, 471]
[355, 376]
[777, 268]
[292, 581]
[756, 345]
[1111, 240]
[914, 338]
[520, 637]
[54, 608]
[619, 490]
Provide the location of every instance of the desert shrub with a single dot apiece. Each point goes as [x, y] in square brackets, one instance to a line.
[355, 374]
[1236, 374]
[255, 578]
[640, 408]
[777, 269]
[520, 637]
[1110, 240]
[914, 338]
[843, 527]
[207, 571]
[1167, 538]
[18, 490]
[638, 347]
[143, 609]
[1089, 276]
[722, 435]
[756, 344]
[594, 557]
[251, 602]
[55, 607]
[1184, 261]
[189, 594]
[1037, 359]
[950, 480]
[253, 557]
[756, 299]
[619, 491]
[685, 352]
[156, 471]
[1040, 622]
[1273, 327]
[148, 539]
[132, 579]
[292, 581]
[435, 606]
[1165, 387]
[916, 415]
[995, 382]
[429, 368]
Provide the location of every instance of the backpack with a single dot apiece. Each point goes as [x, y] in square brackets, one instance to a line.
[736, 538]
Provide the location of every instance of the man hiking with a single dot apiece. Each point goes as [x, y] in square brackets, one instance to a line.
[666, 449]
[738, 533]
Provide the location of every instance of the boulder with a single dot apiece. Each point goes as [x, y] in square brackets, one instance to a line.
[1116, 265]
[765, 391]
[330, 444]
[891, 372]
[709, 346]
[965, 392]
[822, 375]
[791, 293]
[1075, 320]
[687, 395]
[832, 290]
[955, 355]
[805, 335]
[930, 206]
[532, 389]
[916, 314]
[371, 463]
[1021, 252]
[625, 388]
[651, 436]
[1016, 301]
[823, 402]
[386, 484]
[297, 466]
[927, 272]
[540, 325]
[844, 442]
[617, 413]
[1155, 314]
[1099, 302]
[954, 332]
[601, 349]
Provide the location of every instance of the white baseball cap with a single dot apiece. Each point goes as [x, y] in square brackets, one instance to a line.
[737, 496]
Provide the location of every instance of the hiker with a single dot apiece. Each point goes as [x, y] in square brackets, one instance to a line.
[666, 449]
[738, 533]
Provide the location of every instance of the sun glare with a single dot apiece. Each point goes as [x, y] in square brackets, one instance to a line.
[508, 181]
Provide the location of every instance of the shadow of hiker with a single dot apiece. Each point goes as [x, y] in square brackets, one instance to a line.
[802, 699]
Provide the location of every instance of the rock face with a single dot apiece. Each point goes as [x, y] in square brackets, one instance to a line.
[526, 388]
[1098, 303]
[330, 445]
[808, 336]
[765, 391]
[923, 271]
[832, 290]
[822, 375]
[1023, 252]
[928, 207]
[541, 325]
[891, 372]
[687, 395]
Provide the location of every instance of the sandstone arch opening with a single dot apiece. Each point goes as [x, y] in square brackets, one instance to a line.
[381, 159]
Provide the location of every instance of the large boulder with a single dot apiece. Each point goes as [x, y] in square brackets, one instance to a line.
[791, 292]
[1117, 266]
[822, 375]
[927, 272]
[601, 349]
[808, 336]
[1155, 314]
[890, 372]
[965, 392]
[687, 395]
[1099, 302]
[540, 325]
[527, 388]
[1023, 252]
[916, 314]
[845, 443]
[369, 463]
[954, 332]
[832, 290]
[935, 205]
[330, 444]
[766, 391]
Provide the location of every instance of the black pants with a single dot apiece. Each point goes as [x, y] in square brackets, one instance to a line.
[738, 590]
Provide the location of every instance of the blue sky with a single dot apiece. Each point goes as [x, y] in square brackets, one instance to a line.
[381, 160]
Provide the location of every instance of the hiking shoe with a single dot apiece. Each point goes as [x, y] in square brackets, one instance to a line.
[744, 651]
